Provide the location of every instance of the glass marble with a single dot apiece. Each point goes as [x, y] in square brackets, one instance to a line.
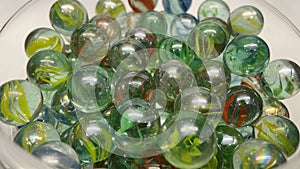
[136, 125]
[274, 107]
[246, 131]
[48, 69]
[124, 51]
[132, 85]
[91, 138]
[46, 115]
[246, 20]
[57, 155]
[216, 162]
[182, 25]
[143, 35]
[209, 38]
[154, 21]
[128, 22]
[271, 106]
[176, 6]
[67, 15]
[34, 134]
[247, 55]
[156, 162]
[257, 153]
[90, 43]
[63, 108]
[214, 8]
[228, 139]
[280, 131]
[197, 146]
[202, 101]
[20, 100]
[43, 39]
[177, 47]
[109, 25]
[114, 8]
[212, 75]
[281, 78]
[89, 88]
[141, 6]
[172, 77]
[242, 107]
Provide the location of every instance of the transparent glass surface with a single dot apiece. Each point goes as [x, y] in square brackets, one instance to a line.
[280, 34]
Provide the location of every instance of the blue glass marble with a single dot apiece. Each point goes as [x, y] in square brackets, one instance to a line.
[182, 25]
[57, 155]
[176, 6]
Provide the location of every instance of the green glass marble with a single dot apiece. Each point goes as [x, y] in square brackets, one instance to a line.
[228, 139]
[132, 85]
[91, 138]
[202, 101]
[48, 69]
[196, 147]
[63, 108]
[209, 38]
[242, 107]
[126, 55]
[154, 21]
[43, 39]
[57, 154]
[89, 88]
[109, 25]
[257, 153]
[34, 134]
[114, 8]
[214, 8]
[90, 43]
[20, 101]
[280, 131]
[178, 48]
[134, 122]
[246, 20]
[67, 15]
[281, 78]
[247, 55]
[172, 77]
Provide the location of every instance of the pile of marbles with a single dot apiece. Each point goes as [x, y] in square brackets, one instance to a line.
[150, 89]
